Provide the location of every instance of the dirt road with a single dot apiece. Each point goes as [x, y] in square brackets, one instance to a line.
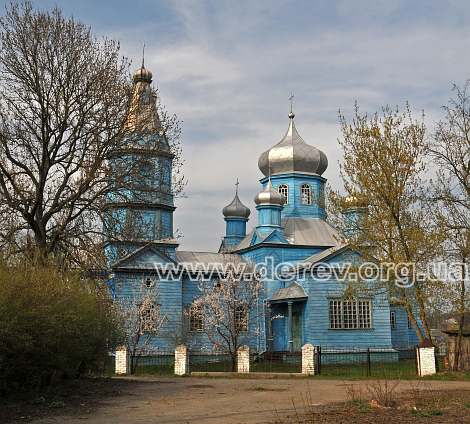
[221, 400]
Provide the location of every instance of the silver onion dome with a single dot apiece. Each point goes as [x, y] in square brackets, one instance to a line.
[269, 196]
[236, 209]
[292, 154]
[143, 75]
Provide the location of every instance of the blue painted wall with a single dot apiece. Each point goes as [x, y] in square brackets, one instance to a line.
[294, 206]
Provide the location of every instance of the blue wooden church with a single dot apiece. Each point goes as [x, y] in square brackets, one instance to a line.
[290, 228]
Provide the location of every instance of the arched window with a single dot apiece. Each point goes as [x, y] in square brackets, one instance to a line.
[241, 318]
[305, 194]
[196, 318]
[145, 97]
[148, 315]
[284, 189]
[145, 177]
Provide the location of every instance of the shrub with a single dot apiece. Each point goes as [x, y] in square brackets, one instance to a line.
[53, 325]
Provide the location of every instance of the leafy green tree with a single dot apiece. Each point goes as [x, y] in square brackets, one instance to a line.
[382, 173]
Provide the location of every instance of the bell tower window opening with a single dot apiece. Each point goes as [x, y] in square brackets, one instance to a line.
[145, 97]
[284, 190]
[305, 194]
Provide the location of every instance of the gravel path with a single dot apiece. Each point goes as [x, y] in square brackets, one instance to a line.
[222, 400]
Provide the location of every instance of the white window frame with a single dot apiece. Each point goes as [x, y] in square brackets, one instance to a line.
[148, 312]
[241, 318]
[196, 319]
[349, 314]
[306, 189]
[283, 188]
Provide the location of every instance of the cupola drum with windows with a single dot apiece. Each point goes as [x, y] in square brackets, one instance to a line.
[295, 170]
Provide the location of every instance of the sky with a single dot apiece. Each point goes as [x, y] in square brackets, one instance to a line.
[227, 70]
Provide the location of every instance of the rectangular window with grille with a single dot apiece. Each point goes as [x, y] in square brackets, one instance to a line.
[196, 319]
[335, 314]
[241, 318]
[350, 314]
[364, 314]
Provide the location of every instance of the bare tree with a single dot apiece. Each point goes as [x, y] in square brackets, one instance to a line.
[228, 310]
[64, 111]
[449, 149]
[142, 319]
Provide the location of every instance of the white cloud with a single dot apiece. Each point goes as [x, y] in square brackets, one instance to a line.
[227, 70]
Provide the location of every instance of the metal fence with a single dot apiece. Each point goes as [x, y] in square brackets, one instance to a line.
[278, 362]
[210, 361]
[154, 363]
[334, 362]
[373, 362]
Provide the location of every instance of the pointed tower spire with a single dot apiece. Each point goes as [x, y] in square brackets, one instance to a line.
[143, 113]
[143, 57]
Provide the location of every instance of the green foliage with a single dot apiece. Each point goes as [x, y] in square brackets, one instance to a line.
[383, 212]
[53, 325]
[56, 405]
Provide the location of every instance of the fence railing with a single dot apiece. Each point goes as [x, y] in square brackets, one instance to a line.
[334, 362]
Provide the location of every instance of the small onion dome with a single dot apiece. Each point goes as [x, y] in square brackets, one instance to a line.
[269, 196]
[142, 75]
[236, 209]
[292, 154]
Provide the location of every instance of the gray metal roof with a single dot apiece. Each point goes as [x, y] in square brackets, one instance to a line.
[246, 241]
[319, 257]
[207, 261]
[292, 154]
[292, 291]
[236, 209]
[310, 232]
[303, 232]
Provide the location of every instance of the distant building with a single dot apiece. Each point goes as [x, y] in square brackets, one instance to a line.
[291, 228]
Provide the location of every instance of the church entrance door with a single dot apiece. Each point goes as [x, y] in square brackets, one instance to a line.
[297, 331]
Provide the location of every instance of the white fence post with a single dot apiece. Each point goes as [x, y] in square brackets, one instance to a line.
[244, 359]
[426, 358]
[308, 366]
[181, 360]
[122, 365]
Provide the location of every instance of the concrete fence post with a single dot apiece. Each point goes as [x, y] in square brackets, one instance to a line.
[308, 365]
[426, 358]
[181, 360]
[122, 363]
[243, 359]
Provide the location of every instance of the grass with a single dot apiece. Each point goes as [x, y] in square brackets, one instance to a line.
[154, 370]
[426, 414]
[403, 370]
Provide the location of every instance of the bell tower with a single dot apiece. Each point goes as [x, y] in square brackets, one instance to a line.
[139, 205]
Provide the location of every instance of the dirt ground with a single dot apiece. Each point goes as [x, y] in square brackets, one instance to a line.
[232, 400]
